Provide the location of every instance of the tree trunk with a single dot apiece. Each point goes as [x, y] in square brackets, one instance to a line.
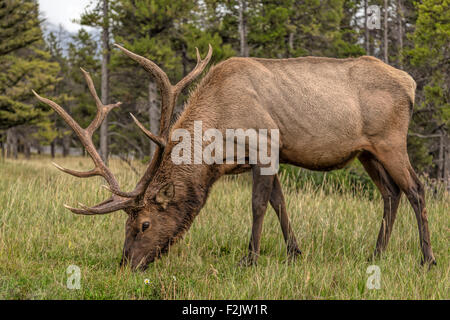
[184, 60]
[153, 113]
[441, 158]
[243, 28]
[366, 30]
[52, 149]
[385, 46]
[447, 163]
[12, 141]
[16, 145]
[2, 144]
[400, 32]
[27, 150]
[66, 145]
[105, 81]
[291, 44]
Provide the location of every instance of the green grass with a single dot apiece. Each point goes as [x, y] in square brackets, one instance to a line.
[337, 231]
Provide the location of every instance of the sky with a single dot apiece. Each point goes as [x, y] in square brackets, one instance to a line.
[63, 12]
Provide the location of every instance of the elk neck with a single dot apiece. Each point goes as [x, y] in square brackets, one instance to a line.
[192, 183]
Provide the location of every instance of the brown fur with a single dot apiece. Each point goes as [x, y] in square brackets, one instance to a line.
[328, 111]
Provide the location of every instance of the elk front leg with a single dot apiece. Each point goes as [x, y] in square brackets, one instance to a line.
[262, 189]
[278, 204]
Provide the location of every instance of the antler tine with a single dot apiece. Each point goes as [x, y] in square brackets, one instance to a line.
[102, 110]
[91, 87]
[145, 179]
[108, 206]
[63, 114]
[158, 140]
[79, 174]
[201, 64]
[165, 87]
[169, 93]
[149, 66]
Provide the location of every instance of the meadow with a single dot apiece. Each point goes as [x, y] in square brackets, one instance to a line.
[336, 231]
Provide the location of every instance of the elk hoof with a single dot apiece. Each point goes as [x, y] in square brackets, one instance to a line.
[374, 256]
[248, 261]
[429, 262]
[294, 254]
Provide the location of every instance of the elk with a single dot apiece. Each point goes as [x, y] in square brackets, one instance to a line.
[328, 112]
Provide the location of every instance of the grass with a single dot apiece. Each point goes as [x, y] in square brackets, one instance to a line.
[336, 231]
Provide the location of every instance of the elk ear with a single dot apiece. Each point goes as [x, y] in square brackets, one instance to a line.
[165, 194]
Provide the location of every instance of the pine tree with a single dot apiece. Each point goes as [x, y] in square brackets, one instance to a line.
[430, 62]
[24, 62]
[289, 28]
[26, 65]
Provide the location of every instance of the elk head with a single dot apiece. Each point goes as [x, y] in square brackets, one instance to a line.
[151, 224]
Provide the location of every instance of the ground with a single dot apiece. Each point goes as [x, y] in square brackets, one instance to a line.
[336, 231]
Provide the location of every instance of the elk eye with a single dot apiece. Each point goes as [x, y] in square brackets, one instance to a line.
[145, 226]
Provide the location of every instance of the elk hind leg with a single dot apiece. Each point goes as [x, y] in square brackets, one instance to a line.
[396, 162]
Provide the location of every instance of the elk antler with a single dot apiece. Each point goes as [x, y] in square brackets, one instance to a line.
[85, 135]
[156, 139]
[169, 93]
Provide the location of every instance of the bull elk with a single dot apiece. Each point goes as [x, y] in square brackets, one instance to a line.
[328, 112]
